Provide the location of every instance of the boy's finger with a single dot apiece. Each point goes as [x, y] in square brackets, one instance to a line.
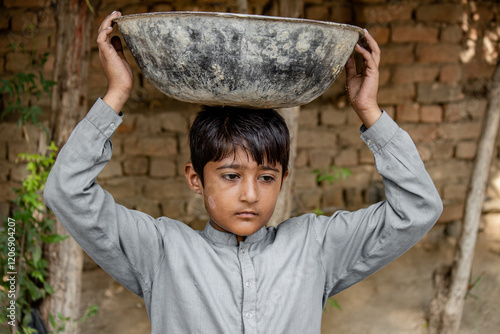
[107, 22]
[373, 45]
[117, 44]
[367, 56]
[350, 68]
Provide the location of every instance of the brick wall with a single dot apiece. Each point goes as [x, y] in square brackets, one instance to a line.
[437, 60]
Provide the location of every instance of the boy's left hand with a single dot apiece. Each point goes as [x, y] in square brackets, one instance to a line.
[362, 88]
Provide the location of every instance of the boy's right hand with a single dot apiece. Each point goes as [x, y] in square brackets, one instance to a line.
[116, 67]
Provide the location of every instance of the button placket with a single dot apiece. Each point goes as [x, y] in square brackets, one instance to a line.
[249, 292]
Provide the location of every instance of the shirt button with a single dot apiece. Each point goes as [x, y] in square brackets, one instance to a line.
[248, 284]
[369, 142]
[112, 126]
[242, 250]
[248, 315]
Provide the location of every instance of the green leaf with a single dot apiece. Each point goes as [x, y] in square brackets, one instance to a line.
[53, 238]
[38, 275]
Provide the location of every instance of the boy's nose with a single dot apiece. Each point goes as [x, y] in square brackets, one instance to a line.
[248, 192]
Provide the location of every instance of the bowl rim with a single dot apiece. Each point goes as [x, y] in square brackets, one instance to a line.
[243, 16]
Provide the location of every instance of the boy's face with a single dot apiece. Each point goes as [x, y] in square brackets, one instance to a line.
[239, 195]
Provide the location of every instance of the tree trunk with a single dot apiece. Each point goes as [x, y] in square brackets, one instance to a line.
[74, 21]
[451, 282]
[283, 210]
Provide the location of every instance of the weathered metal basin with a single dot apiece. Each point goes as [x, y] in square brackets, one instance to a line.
[236, 59]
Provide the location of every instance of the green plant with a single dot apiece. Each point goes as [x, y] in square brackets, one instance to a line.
[24, 88]
[33, 227]
[332, 174]
[332, 303]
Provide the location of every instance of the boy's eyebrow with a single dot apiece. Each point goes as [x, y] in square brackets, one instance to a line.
[237, 166]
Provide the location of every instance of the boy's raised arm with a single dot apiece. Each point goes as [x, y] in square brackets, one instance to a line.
[125, 243]
[356, 244]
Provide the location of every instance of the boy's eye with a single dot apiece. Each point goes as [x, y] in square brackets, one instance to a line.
[267, 178]
[230, 177]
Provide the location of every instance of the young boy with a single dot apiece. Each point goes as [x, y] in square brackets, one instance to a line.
[237, 276]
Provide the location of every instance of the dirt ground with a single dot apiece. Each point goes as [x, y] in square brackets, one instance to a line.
[393, 301]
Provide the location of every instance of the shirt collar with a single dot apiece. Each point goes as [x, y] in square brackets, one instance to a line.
[230, 239]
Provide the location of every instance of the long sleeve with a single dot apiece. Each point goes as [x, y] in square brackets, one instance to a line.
[125, 243]
[356, 244]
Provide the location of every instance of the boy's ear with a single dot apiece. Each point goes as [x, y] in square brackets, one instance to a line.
[193, 179]
[284, 178]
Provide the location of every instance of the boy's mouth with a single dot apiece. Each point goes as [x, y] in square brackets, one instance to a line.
[246, 214]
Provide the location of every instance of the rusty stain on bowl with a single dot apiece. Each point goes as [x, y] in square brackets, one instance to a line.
[237, 59]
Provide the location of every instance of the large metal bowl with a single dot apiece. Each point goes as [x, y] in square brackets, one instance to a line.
[236, 59]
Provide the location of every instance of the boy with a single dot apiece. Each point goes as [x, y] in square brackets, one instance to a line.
[236, 276]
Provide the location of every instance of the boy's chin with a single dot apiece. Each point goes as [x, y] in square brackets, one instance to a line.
[243, 229]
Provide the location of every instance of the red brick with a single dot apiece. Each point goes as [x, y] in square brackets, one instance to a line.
[26, 3]
[384, 76]
[441, 12]
[162, 7]
[451, 33]
[422, 132]
[320, 13]
[443, 150]
[466, 150]
[380, 32]
[408, 112]
[161, 167]
[319, 159]
[431, 114]
[438, 53]
[460, 131]
[308, 117]
[346, 158]
[402, 33]
[475, 70]
[451, 73]
[450, 170]
[383, 13]
[136, 166]
[396, 94]
[455, 192]
[438, 93]
[17, 62]
[316, 139]
[476, 107]
[486, 12]
[424, 151]
[455, 111]
[415, 73]
[334, 117]
[113, 168]
[397, 54]
[451, 213]
[153, 146]
[341, 13]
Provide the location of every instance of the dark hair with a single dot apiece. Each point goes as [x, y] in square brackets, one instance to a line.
[219, 131]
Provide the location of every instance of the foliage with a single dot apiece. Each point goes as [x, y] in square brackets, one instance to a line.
[33, 228]
[332, 174]
[25, 87]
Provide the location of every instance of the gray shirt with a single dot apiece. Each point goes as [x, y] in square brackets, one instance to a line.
[278, 279]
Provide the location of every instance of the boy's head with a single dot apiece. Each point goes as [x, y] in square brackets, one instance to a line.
[239, 160]
[218, 131]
